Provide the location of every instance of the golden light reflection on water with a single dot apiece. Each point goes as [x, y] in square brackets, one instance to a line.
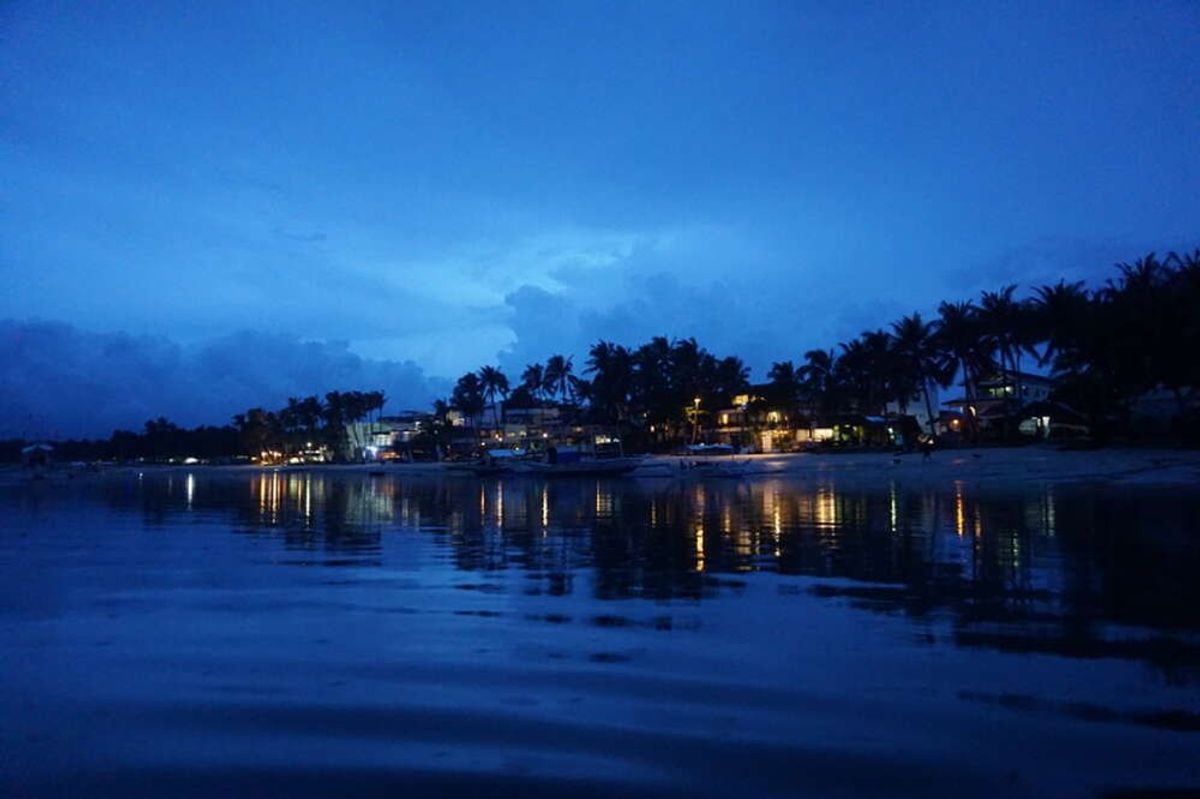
[604, 501]
[960, 514]
[733, 527]
[826, 507]
[270, 496]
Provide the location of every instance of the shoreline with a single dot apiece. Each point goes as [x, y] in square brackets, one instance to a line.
[990, 466]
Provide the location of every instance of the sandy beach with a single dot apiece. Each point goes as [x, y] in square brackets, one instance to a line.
[992, 466]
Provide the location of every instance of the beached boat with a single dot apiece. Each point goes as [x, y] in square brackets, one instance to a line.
[712, 460]
[583, 467]
[714, 467]
[602, 456]
[493, 462]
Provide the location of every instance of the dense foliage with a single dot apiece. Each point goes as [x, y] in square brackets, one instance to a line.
[303, 424]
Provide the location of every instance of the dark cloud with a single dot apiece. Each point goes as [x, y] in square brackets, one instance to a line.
[757, 327]
[56, 379]
[769, 314]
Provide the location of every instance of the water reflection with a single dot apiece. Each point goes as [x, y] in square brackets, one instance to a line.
[1054, 569]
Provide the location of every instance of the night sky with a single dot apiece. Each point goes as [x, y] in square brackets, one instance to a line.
[212, 205]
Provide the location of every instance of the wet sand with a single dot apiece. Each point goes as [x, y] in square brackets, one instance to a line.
[991, 466]
[1013, 466]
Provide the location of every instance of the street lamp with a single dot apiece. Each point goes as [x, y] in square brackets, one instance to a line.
[695, 419]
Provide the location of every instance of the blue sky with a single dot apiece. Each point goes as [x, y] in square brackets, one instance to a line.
[447, 184]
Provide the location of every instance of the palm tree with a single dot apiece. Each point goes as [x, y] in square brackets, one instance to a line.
[652, 385]
[915, 350]
[1007, 325]
[356, 406]
[258, 429]
[290, 421]
[785, 381]
[879, 365]
[864, 368]
[1141, 307]
[581, 390]
[686, 367]
[335, 417]
[1178, 370]
[468, 398]
[534, 379]
[818, 379]
[612, 369]
[558, 378]
[308, 413]
[1060, 313]
[962, 349]
[492, 381]
[375, 400]
[441, 427]
[730, 376]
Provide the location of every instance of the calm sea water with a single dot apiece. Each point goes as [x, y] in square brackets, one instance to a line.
[307, 635]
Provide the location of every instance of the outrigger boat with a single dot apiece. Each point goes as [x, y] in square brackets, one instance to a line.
[712, 460]
[492, 462]
[584, 467]
[604, 458]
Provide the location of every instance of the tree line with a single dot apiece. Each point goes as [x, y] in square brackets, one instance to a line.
[1105, 347]
[649, 388]
[304, 423]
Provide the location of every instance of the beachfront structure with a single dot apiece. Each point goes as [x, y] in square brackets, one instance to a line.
[533, 421]
[996, 395]
[387, 437]
[758, 424]
[1007, 405]
[1021, 386]
[767, 430]
[518, 426]
[37, 455]
[757, 421]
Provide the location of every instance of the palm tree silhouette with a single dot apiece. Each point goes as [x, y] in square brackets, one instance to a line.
[916, 357]
[492, 381]
[963, 350]
[558, 378]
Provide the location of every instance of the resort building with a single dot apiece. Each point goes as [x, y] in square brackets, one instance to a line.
[388, 437]
[1013, 405]
[760, 421]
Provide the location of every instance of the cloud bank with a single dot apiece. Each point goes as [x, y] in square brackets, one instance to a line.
[58, 380]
